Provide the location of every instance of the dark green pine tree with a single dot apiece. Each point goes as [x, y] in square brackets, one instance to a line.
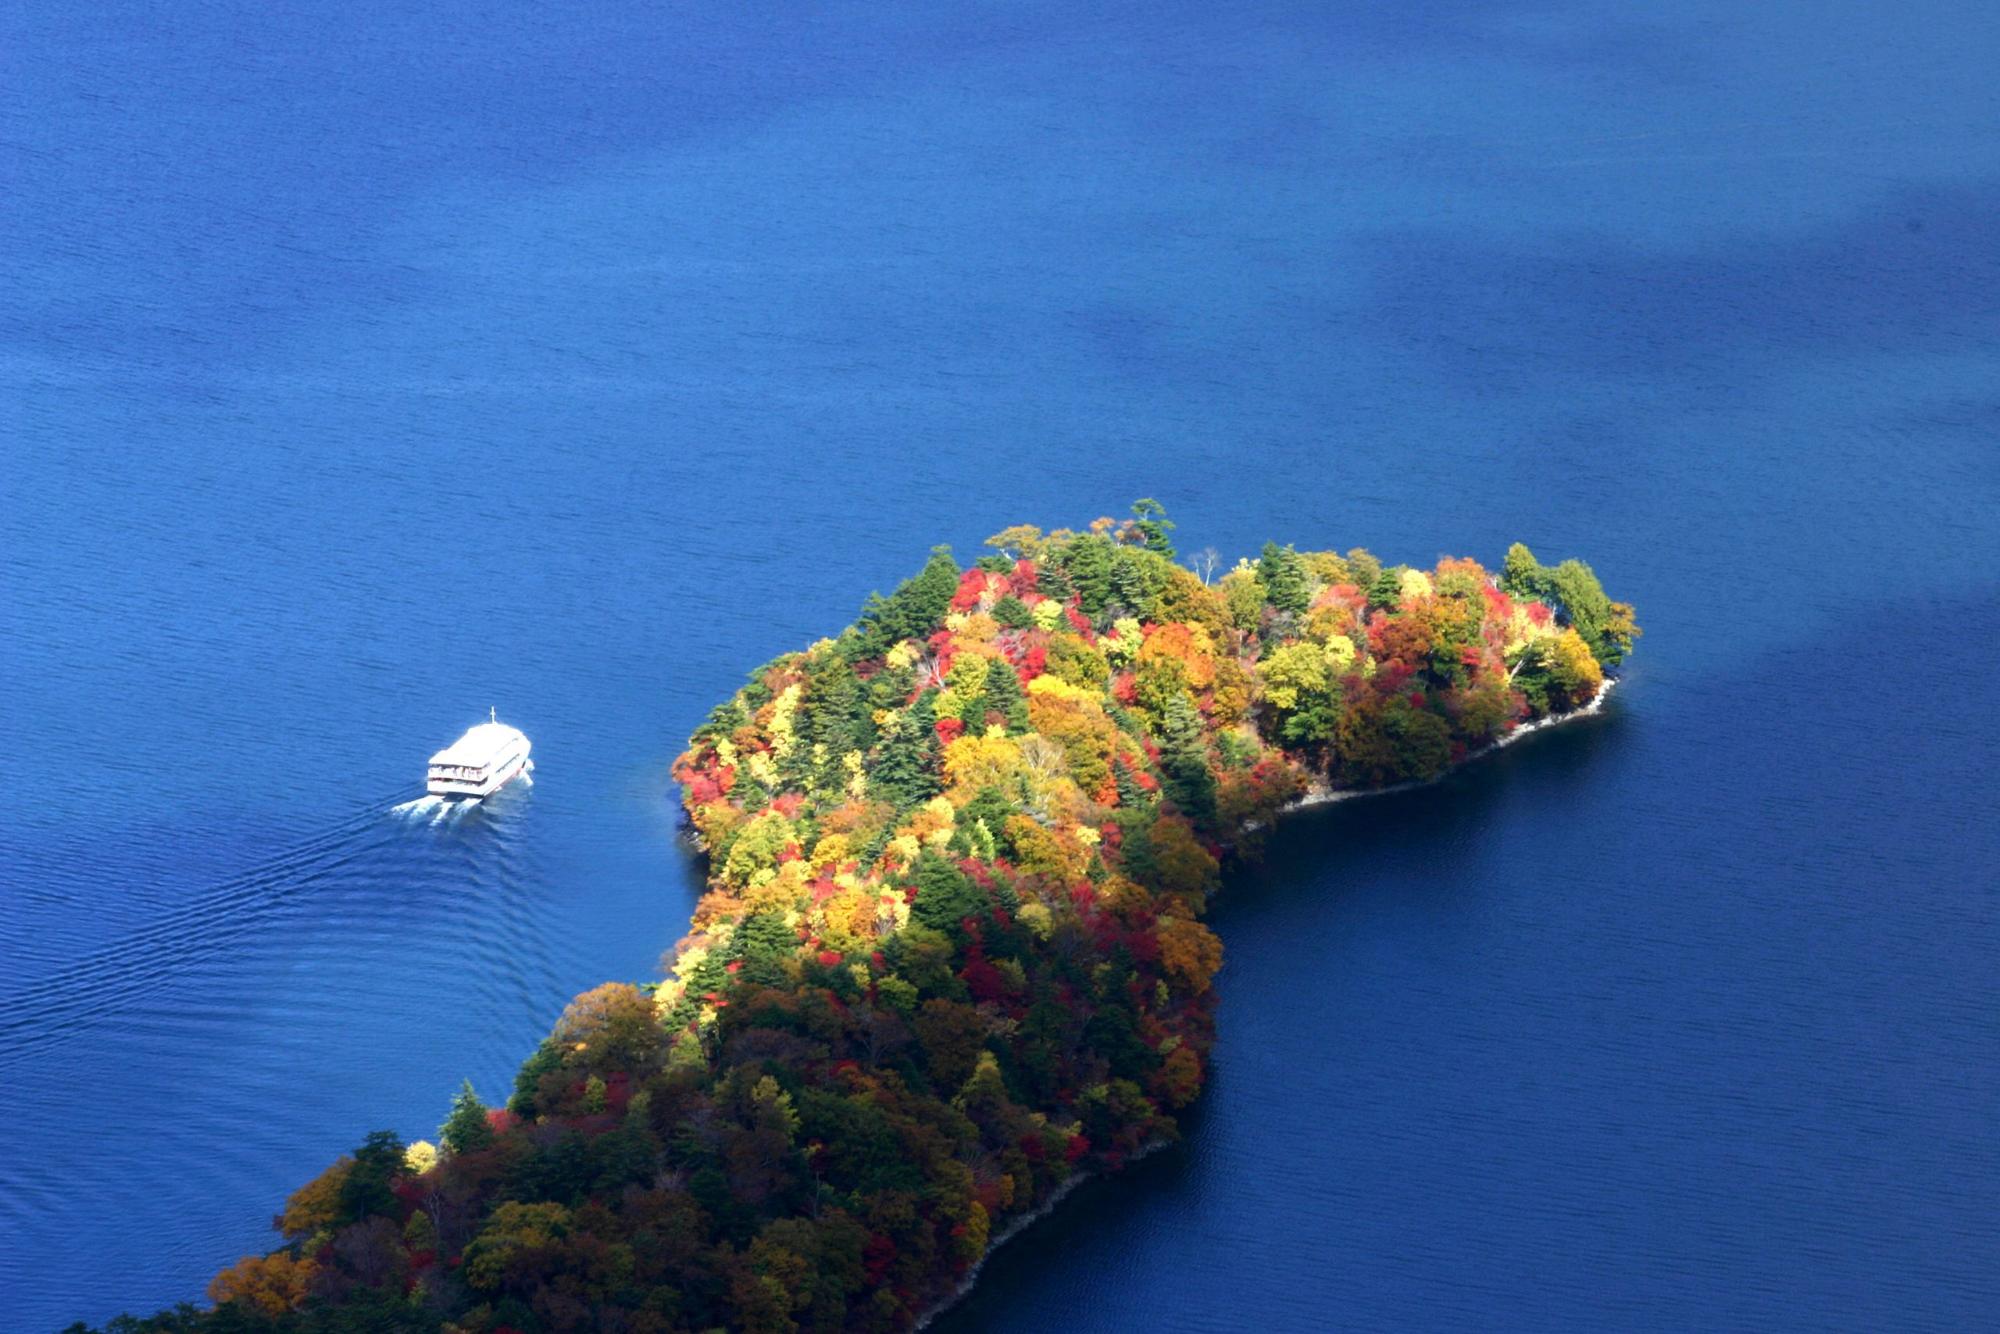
[1572, 591]
[466, 1130]
[723, 719]
[914, 610]
[930, 595]
[365, 1192]
[1362, 568]
[1581, 600]
[905, 769]
[1184, 761]
[528, 1079]
[1088, 561]
[1522, 577]
[834, 719]
[889, 689]
[1387, 590]
[1284, 578]
[1149, 516]
[1013, 613]
[992, 808]
[1004, 696]
[765, 944]
[1137, 576]
[1052, 581]
[946, 896]
[1130, 794]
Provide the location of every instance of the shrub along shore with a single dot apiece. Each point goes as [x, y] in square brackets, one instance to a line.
[950, 959]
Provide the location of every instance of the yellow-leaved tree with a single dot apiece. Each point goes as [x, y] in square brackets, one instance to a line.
[316, 1204]
[1189, 951]
[269, 1284]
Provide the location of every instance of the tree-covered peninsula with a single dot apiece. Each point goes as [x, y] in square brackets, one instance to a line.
[951, 956]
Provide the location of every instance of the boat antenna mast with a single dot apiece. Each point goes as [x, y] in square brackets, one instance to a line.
[492, 713]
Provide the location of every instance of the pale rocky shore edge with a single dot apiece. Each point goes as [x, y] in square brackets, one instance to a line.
[1019, 1225]
[1317, 795]
[1321, 795]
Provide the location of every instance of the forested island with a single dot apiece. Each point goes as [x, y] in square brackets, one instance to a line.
[951, 957]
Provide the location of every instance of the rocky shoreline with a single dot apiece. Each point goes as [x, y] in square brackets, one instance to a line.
[1316, 796]
[1320, 795]
[1019, 1225]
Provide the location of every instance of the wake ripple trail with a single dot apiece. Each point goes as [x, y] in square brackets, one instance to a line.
[115, 978]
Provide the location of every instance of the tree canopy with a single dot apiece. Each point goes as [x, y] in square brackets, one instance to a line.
[951, 952]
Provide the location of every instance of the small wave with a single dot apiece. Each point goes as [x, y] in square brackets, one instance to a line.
[118, 976]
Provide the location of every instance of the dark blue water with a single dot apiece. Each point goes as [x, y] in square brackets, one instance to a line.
[363, 367]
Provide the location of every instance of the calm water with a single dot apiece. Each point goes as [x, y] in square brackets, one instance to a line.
[363, 368]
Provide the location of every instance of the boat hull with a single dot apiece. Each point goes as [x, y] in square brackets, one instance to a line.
[478, 789]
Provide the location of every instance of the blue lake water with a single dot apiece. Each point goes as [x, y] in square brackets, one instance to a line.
[363, 368]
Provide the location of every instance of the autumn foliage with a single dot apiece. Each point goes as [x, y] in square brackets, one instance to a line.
[270, 1284]
[951, 952]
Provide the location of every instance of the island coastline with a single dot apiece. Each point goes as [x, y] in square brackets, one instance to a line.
[1320, 795]
[1313, 798]
[950, 963]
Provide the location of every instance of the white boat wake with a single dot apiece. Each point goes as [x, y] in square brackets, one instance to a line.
[432, 809]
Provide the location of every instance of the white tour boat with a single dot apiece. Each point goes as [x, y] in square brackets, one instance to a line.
[481, 762]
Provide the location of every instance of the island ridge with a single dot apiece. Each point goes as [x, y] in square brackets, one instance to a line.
[951, 957]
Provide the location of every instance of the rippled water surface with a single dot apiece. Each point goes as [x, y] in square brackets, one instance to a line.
[361, 369]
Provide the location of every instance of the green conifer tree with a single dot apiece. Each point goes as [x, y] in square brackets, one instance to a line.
[1088, 562]
[1150, 518]
[1521, 575]
[946, 896]
[906, 770]
[1362, 567]
[528, 1079]
[1184, 760]
[1137, 576]
[1130, 794]
[1004, 696]
[1572, 591]
[834, 718]
[911, 612]
[1387, 590]
[365, 1192]
[1013, 613]
[1605, 625]
[765, 944]
[466, 1130]
[1284, 578]
[1052, 581]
